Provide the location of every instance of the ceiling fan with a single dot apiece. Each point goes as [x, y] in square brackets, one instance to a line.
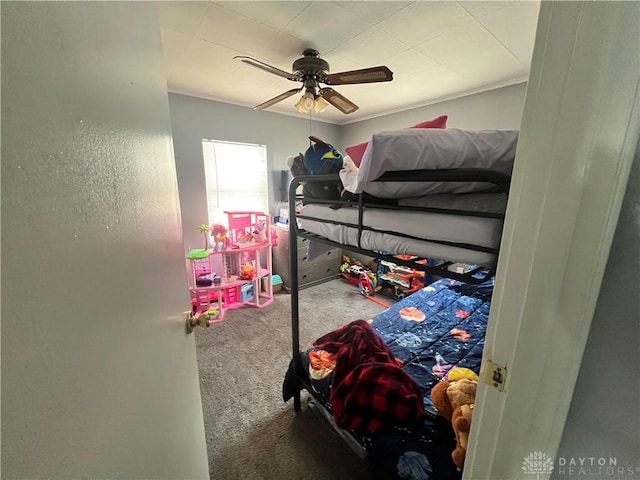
[312, 70]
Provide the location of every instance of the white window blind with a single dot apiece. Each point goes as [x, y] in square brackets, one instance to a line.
[236, 177]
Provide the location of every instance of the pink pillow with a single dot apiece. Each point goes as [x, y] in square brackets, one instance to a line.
[357, 151]
[440, 122]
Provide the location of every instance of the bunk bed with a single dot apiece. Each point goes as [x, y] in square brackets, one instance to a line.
[440, 326]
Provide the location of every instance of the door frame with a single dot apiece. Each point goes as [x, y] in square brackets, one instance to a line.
[578, 137]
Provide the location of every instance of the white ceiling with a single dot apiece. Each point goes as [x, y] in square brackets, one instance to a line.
[436, 50]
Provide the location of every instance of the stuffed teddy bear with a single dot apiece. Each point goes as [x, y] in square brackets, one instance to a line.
[454, 398]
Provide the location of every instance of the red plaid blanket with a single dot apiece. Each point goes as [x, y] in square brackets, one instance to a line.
[369, 390]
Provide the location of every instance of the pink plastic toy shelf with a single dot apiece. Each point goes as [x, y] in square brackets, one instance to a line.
[230, 275]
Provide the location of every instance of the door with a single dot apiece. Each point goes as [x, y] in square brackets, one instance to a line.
[579, 131]
[99, 379]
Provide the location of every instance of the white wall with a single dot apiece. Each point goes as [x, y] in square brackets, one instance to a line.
[499, 108]
[99, 379]
[604, 418]
[194, 119]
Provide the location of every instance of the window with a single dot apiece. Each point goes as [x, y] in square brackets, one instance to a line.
[236, 178]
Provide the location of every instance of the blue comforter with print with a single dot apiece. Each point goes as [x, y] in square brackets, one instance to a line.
[437, 328]
[433, 330]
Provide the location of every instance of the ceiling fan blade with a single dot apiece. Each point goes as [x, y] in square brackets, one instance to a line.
[364, 75]
[277, 99]
[340, 102]
[268, 68]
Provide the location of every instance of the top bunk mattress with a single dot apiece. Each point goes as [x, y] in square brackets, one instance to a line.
[430, 149]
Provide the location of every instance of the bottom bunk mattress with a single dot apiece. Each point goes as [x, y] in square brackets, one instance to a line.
[452, 237]
[428, 333]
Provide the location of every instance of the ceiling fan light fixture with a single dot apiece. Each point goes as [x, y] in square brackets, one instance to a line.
[300, 106]
[306, 103]
[310, 102]
[320, 105]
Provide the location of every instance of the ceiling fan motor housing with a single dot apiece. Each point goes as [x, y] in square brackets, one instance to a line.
[310, 64]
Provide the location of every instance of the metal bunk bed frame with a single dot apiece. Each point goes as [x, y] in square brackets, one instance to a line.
[501, 182]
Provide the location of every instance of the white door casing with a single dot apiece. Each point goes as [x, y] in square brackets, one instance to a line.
[99, 379]
[579, 131]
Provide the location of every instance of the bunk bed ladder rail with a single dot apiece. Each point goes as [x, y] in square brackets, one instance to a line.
[295, 287]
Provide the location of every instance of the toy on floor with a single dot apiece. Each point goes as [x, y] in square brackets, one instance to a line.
[233, 273]
[454, 398]
[362, 277]
[367, 284]
[351, 270]
[204, 319]
[398, 281]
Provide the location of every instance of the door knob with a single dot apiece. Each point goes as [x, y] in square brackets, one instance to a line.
[192, 321]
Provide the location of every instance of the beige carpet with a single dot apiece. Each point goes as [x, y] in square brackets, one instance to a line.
[251, 433]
